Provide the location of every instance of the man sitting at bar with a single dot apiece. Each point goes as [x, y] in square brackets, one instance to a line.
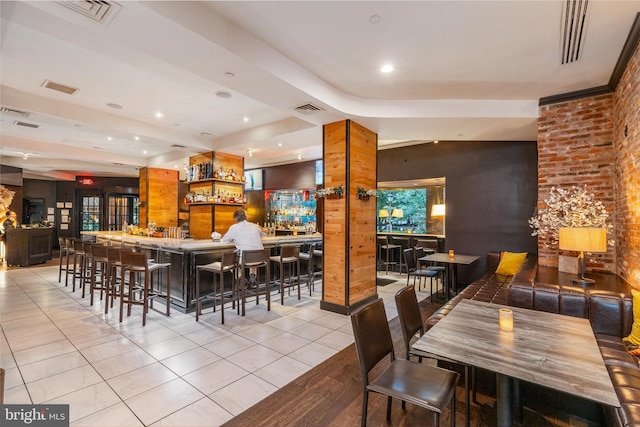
[247, 236]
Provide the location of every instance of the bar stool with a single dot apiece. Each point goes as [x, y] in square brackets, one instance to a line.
[77, 271]
[135, 264]
[113, 278]
[288, 258]
[69, 245]
[64, 252]
[85, 278]
[257, 259]
[384, 245]
[99, 259]
[228, 263]
[308, 257]
[403, 243]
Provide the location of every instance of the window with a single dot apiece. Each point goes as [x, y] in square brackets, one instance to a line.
[91, 213]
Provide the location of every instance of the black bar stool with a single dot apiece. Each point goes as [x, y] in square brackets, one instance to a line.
[289, 258]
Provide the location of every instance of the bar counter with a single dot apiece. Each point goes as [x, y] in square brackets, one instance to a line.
[185, 254]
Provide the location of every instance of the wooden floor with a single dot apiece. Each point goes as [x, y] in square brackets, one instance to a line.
[331, 395]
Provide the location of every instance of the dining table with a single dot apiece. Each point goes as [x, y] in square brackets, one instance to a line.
[452, 262]
[548, 349]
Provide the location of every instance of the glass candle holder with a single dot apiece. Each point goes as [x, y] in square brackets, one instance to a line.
[506, 320]
[451, 253]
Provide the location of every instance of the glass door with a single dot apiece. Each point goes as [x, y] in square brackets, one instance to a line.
[121, 210]
[91, 211]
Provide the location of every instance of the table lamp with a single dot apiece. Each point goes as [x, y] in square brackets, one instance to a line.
[384, 213]
[397, 213]
[583, 239]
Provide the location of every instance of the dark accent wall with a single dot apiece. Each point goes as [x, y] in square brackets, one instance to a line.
[491, 192]
[293, 176]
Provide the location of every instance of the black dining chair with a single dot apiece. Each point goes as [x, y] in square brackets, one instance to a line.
[426, 386]
[412, 326]
[413, 270]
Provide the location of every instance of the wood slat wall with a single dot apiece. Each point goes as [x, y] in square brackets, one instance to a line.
[363, 145]
[200, 220]
[159, 194]
[349, 265]
[224, 218]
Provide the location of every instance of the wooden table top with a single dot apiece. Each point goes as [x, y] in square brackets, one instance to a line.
[555, 351]
[456, 259]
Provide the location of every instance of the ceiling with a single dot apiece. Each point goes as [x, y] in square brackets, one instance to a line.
[463, 70]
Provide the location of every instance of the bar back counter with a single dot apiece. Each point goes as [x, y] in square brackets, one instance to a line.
[28, 246]
[185, 254]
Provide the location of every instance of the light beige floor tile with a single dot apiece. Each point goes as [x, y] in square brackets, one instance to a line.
[37, 340]
[311, 331]
[260, 333]
[228, 346]
[287, 323]
[17, 395]
[117, 415]
[170, 347]
[12, 378]
[88, 400]
[282, 371]
[203, 413]
[333, 321]
[242, 394]
[52, 366]
[123, 363]
[285, 343]
[161, 401]
[46, 351]
[255, 357]
[215, 376]
[207, 335]
[7, 360]
[190, 360]
[108, 349]
[66, 382]
[336, 340]
[141, 380]
[152, 336]
[313, 354]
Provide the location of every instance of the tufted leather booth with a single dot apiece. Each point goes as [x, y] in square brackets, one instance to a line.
[610, 314]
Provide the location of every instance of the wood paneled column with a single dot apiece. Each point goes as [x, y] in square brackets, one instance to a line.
[158, 197]
[349, 223]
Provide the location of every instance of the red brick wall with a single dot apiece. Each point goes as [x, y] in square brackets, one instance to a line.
[626, 114]
[575, 147]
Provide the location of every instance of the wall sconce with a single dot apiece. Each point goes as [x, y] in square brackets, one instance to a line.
[582, 239]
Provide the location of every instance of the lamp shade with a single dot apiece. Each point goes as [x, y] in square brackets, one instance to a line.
[384, 213]
[583, 239]
[397, 213]
[437, 210]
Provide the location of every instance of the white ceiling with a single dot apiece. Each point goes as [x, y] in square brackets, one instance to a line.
[464, 70]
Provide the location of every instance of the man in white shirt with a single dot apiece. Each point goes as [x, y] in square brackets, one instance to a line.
[247, 236]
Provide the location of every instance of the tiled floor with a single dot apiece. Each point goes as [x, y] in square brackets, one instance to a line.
[56, 348]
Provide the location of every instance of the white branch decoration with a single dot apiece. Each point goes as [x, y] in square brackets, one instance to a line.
[6, 197]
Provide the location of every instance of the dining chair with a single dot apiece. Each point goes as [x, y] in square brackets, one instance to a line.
[412, 326]
[423, 385]
[413, 270]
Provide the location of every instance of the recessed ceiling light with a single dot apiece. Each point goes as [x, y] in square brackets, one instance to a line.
[250, 153]
[159, 115]
[374, 19]
[246, 119]
[205, 134]
[137, 138]
[144, 151]
[386, 68]
[223, 94]
[114, 105]
[109, 138]
[279, 144]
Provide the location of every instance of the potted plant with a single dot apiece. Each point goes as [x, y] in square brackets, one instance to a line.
[364, 194]
[331, 193]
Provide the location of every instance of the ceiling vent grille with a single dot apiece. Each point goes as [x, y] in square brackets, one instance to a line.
[98, 11]
[307, 109]
[25, 124]
[59, 87]
[15, 112]
[178, 146]
[573, 31]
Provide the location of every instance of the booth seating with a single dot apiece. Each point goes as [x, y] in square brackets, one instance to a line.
[609, 312]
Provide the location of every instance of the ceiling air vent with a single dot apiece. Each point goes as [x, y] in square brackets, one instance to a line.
[12, 111]
[59, 87]
[307, 109]
[573, 31]
[25, 124]
[98, 11]
[178, 146]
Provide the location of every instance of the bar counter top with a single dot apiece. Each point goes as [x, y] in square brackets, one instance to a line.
[194, 244]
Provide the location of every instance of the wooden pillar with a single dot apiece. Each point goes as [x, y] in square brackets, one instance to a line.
[349, 223]
[159, 197]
